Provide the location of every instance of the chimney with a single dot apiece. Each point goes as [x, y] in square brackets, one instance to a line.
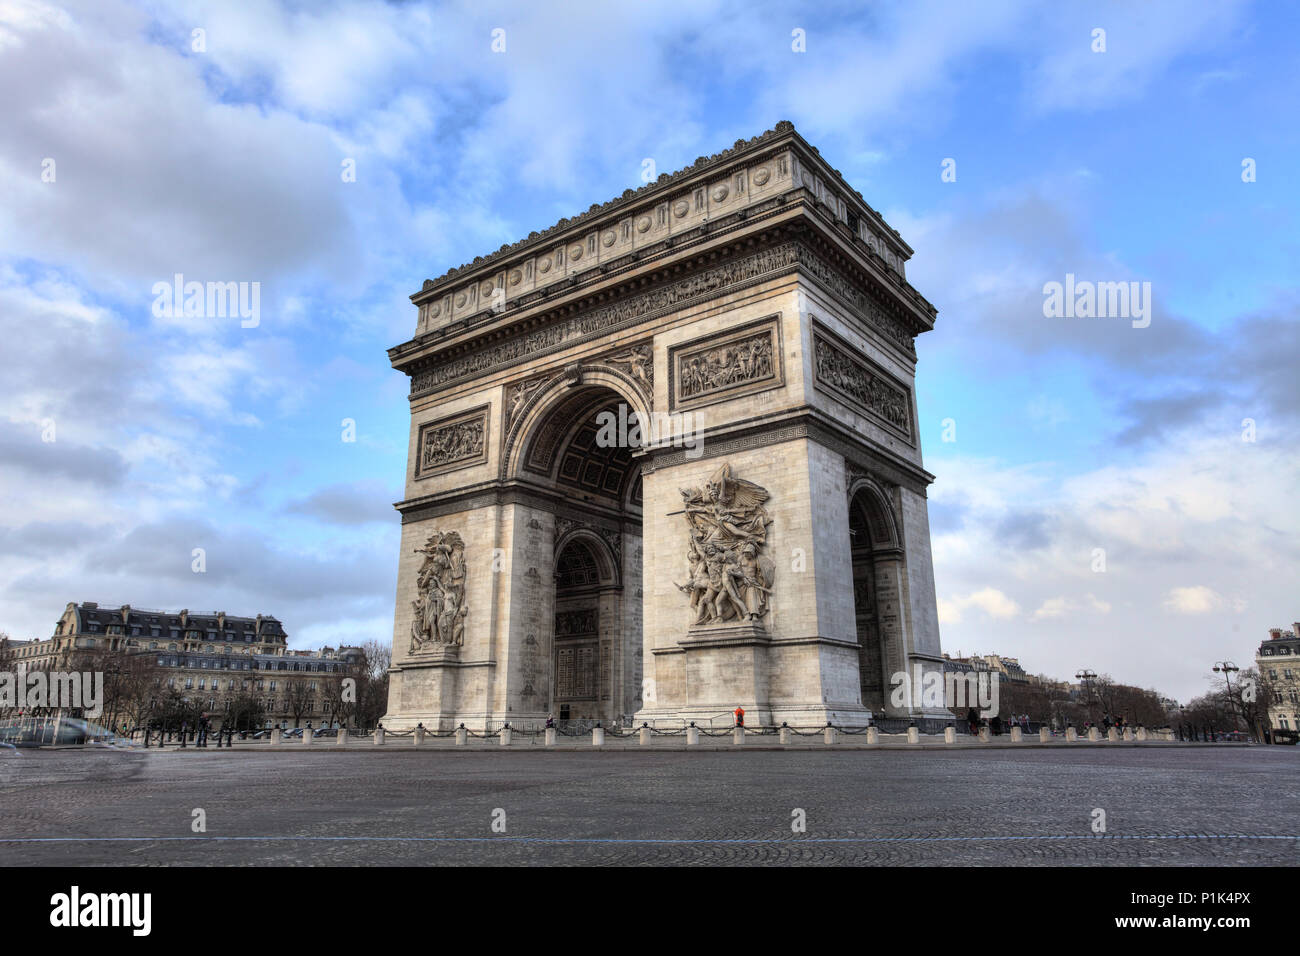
[1274, 633]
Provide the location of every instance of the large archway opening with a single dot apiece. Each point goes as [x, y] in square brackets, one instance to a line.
[580, 445]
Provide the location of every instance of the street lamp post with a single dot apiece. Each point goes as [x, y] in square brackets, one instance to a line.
[1087, 677]
[1227, 669]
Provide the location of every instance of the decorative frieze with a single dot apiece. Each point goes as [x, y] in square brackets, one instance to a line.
[714, 368]
[707, 283]
[451, 443]
[855, 380]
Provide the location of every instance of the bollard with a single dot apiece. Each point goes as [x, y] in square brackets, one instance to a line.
[1070, 733]
[692, 735]
[307, 735]
[829, 735]
[1094, 734]
[738, 736]
[379, 736]
[785, 735]
[506, 733]
[1141, 733]
[950, 734]
[598, 736]
[462, 736]
[1112, 734]
[1128, 733]
[275, 736]
[645, 735]
[418, 736]
[873, 734]
[985, 734]
[550, 736]
[1016, 734]
[913, 733]
[342, 740]
[1044, 735]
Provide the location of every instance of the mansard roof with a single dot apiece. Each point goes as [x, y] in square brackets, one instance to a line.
[91, 611]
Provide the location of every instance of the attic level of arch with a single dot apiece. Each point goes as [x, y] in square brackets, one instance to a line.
[780, 144]
[884, 282]
[788, 247]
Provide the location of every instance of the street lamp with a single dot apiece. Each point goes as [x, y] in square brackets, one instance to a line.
[1227, 669]
[1087, 677]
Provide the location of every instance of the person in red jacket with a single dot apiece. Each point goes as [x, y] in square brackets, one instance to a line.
[740, 716]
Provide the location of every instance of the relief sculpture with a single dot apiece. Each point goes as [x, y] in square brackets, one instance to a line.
[844, 374]
[452, 443]
[730, 577]
[736, 363]
[439, 606]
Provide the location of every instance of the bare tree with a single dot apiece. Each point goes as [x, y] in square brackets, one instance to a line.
[298, 699]
[372, 682]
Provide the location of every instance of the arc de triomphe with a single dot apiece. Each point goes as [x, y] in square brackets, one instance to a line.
[664, 462]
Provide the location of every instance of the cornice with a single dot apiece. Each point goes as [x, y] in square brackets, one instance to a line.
[633, 201]
[800, 246]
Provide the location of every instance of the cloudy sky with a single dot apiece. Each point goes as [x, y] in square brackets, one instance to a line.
[133, 148]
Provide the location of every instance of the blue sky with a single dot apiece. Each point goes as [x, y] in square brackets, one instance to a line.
[223, 163]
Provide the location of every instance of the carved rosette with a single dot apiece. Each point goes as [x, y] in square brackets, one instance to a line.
[730, 576]
[439, 610]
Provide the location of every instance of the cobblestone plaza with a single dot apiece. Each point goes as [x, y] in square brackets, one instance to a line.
[1171, 805]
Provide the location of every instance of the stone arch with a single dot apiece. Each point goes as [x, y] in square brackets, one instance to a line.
[876, 512]
[876, 553]
[606, 560]
[573, 381]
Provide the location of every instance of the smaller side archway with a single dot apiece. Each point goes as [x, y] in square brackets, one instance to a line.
[588, 613]
[877, 560]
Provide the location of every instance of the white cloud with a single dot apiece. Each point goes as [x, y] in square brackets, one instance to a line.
[1197, 599]
[991, 601]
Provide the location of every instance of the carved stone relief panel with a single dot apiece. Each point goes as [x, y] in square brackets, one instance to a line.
[730, 577]
[439, 610]
[454, 442]
[716, 368]
[856, 380]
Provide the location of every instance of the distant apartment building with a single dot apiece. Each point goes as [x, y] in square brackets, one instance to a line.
[1007, 668]
[210, 659]
[1278, 662]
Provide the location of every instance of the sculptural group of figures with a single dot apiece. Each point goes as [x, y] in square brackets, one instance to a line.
[837, 369]
[462, 440]
[727, 365]
[730, 577]
[439, 608]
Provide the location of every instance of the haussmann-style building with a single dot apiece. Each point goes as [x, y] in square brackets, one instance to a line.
[664, 461]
